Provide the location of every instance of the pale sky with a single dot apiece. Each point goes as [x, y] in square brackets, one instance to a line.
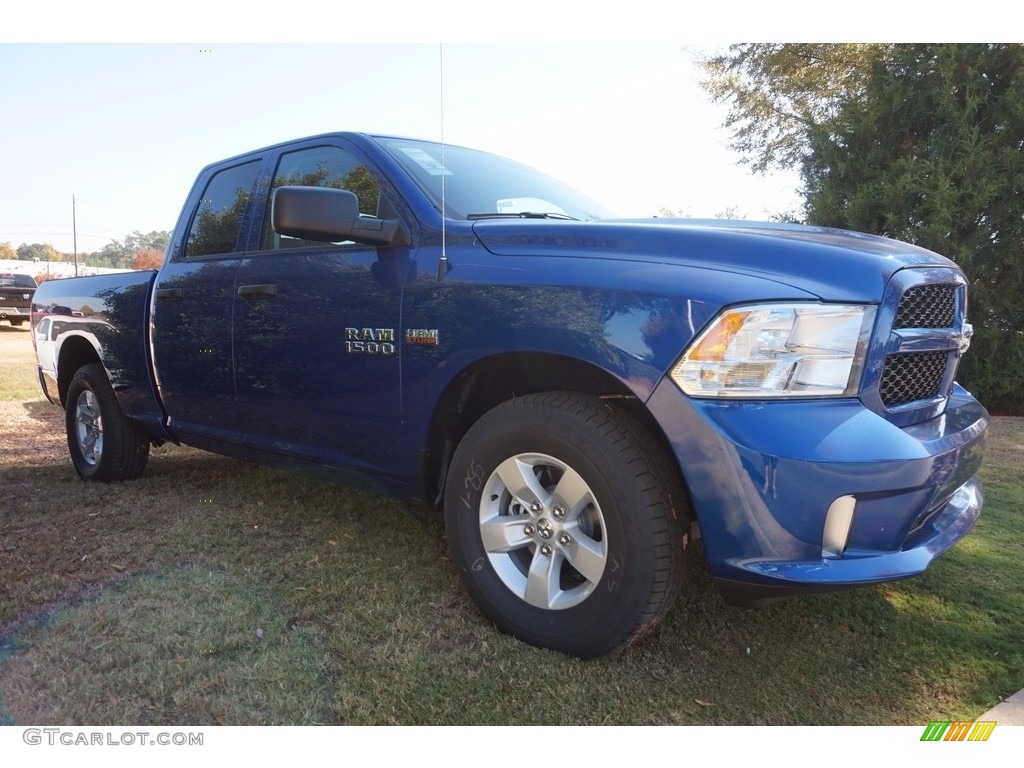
[608, 102]
[125, 128]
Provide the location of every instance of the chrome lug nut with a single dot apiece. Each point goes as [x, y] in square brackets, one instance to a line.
[529, 530]
[545, 550]
[564, 539]
[535, 507]
[558, 512]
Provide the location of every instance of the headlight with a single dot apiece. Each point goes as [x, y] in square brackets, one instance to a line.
[778, 350]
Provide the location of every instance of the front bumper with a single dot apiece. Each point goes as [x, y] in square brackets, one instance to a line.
[804, 496]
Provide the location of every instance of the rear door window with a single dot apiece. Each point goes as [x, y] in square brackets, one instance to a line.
[217, 222]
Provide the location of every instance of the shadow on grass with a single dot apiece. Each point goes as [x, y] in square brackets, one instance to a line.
[47, 413]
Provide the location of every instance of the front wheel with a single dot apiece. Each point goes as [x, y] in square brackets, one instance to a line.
[104, 445]
[566, 523]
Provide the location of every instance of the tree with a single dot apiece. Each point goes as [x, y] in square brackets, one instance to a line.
[7, 251]
[777, 92]
[39, 251]
[120, 254]
[83, 258]
[148, 258]
[931, 151]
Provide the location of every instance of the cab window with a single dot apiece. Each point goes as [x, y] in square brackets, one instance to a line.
[218, 218]
[320, 167]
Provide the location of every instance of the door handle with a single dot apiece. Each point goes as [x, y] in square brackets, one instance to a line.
[169, 293]
[257, 291]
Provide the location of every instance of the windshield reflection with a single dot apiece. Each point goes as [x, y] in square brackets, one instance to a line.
[477, 183]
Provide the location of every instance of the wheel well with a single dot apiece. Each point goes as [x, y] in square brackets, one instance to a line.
[74, 353]
[494, 380]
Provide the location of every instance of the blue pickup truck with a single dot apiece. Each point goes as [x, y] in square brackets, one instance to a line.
[579, 395]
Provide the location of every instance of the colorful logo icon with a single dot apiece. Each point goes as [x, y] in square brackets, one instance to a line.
[958, 730]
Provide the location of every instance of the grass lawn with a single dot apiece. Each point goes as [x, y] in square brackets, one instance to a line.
[216, 592]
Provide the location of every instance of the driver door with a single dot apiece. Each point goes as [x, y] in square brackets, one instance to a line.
[315, 331]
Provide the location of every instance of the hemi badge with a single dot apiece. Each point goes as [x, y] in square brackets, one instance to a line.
[427, 337]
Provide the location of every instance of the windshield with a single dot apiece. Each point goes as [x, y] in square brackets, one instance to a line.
[478, 184]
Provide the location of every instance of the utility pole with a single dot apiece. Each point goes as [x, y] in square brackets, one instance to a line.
[74, 233]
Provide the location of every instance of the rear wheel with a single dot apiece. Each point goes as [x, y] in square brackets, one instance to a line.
[104, 445]
[566, 523]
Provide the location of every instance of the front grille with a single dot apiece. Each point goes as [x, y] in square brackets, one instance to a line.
[927, 306]
[912, 376]
[909, 378]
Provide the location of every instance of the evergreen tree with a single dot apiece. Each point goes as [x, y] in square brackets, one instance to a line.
[931, 151]
[776, 92]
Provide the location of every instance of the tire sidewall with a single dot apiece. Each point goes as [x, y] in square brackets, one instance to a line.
[125, 447]
[619, 599]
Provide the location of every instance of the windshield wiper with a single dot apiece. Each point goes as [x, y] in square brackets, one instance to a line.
[522, 215]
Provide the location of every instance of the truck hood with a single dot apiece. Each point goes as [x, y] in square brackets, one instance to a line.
[833, 264]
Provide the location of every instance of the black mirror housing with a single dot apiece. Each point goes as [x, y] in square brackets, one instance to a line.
[327, 215]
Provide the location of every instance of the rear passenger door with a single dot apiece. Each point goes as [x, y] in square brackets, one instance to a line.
[193, 304]
[315, 329]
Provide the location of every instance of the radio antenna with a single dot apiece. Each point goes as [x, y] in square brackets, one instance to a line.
[442, 264]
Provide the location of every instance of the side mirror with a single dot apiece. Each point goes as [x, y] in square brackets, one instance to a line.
[329, 215]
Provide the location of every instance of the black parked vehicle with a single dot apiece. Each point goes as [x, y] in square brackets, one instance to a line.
[16, 292]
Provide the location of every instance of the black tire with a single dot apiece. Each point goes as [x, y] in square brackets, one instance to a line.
[16, 323]
[565, 488]
[104, 445]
